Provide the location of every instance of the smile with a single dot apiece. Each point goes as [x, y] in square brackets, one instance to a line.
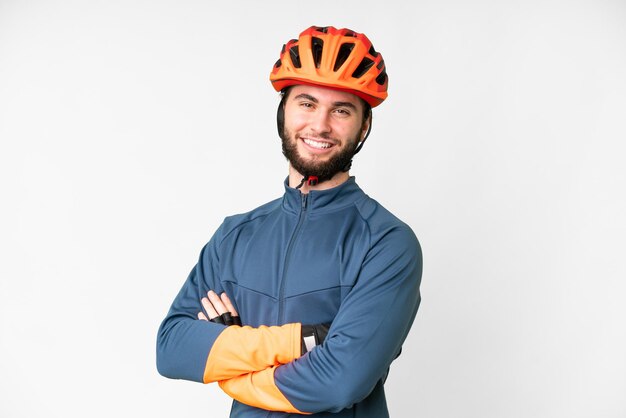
[317, 144]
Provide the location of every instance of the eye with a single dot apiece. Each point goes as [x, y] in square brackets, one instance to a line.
[342, 111]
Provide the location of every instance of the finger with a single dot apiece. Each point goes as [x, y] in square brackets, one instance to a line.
[216, 302]
[228, 304]
[202, 316]
[227, 318]
[208, 307]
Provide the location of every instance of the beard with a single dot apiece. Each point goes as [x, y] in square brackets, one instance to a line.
[323, 170]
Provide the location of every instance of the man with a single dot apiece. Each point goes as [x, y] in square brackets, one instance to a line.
[324, 279]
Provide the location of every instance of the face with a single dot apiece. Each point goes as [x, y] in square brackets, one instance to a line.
[322, 129]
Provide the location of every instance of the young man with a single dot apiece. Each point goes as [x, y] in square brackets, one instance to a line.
[324, 279]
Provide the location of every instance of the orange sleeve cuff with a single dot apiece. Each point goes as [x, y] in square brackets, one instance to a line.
[241, 350]
[258, 389]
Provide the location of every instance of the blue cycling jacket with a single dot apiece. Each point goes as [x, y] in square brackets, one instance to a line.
[330, 256]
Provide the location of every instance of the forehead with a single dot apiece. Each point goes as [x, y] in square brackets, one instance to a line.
[324, 95]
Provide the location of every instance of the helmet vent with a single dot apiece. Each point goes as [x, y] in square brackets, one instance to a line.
[323, 29]
[343, 54]
[372, 51]
[365, 65]
[278, 64]
[382, 78]
[317, 45]
[294, 53]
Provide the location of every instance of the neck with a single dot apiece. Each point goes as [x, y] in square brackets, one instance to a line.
[295, 178]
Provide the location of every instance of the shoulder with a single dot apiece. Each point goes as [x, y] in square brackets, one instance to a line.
[234, 222]
[379, 218]
[385, 227]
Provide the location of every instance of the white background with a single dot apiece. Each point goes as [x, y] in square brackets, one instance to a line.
[129, 129]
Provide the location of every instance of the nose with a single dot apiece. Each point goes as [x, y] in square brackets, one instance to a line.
[320, 122]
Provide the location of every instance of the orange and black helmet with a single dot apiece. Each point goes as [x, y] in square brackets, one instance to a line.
[336, 58]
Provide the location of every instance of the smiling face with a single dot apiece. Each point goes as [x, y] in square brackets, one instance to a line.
[322, 128]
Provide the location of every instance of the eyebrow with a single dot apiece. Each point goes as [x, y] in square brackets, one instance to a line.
[335, 104]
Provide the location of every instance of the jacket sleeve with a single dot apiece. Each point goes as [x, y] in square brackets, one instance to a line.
[365, 337]
[203, 351]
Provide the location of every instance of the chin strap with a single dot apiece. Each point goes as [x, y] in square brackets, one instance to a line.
[358, 147]
[311, 181]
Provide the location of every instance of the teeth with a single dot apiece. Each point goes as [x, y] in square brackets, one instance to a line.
[316, 144]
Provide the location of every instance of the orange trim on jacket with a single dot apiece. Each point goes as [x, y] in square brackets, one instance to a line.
[258, 389]
[241, 350]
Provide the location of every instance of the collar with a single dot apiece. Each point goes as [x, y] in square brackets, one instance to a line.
[327, 200]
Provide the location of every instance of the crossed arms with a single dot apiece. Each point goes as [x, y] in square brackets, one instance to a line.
[257, 366]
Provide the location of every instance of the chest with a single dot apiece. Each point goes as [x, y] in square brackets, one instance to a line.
[289, 268]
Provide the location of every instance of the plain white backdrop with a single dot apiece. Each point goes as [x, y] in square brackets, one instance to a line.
[129, 129]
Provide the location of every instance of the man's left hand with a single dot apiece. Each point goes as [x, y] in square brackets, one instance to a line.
[219, 309]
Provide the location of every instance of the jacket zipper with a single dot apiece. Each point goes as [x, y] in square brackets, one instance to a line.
[281, 290]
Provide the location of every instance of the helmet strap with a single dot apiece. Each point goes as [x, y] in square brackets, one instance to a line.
[280, 116]
[359, 146]
[311, 181]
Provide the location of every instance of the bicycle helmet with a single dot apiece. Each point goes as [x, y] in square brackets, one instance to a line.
[336, 58]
